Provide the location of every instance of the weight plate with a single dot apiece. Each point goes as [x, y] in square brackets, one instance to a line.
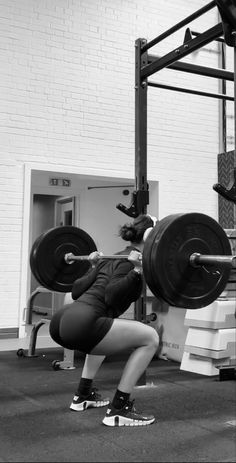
[47, 257]
[166, 263]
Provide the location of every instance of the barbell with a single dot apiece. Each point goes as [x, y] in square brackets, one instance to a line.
[187, 259]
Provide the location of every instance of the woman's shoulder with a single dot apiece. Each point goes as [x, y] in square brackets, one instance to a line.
[126, 251]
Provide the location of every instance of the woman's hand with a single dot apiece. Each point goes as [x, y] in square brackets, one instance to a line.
[94, 257]
[136, 258]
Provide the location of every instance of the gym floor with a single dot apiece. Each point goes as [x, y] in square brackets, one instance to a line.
[195, 414]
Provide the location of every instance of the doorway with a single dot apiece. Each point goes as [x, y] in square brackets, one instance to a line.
[65, 211]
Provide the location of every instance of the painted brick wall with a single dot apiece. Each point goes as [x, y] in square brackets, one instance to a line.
[67, 98]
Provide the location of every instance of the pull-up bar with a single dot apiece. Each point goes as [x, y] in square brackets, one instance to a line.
[219, 96]
[197, 69]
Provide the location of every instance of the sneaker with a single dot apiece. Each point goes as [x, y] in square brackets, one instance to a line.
[127, 416]
[93, 400]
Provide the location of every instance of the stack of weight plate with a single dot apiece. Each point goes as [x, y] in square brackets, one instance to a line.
[230, 289]
[211, 337]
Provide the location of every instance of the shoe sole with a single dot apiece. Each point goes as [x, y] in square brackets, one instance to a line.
[122, 421]
[88, 404]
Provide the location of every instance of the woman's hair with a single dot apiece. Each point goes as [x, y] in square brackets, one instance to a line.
[134, 231]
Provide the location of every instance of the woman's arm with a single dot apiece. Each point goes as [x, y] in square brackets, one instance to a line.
[124, 288]
[82, 284]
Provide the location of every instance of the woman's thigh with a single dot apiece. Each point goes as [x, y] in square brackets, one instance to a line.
[125, 334]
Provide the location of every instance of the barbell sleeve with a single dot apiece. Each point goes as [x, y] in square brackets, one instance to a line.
[197, 260]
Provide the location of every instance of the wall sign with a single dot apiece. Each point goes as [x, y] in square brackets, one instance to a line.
[58, 181]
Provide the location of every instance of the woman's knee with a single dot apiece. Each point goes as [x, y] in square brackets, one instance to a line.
[153, 337]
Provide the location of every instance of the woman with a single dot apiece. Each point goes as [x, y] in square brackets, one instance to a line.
[91, 325]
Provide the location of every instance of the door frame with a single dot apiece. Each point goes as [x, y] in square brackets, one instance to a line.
[59, 216]
[24, 290]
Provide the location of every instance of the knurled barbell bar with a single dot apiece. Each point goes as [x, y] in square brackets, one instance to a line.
[187, 259]
[70, 257]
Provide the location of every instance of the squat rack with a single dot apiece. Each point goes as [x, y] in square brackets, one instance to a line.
[147, 64]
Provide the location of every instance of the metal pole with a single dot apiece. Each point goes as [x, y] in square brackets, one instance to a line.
[191, 91]
[197, 69]
[141, 156]
[140, 121]
[235, 95]
[223, 122]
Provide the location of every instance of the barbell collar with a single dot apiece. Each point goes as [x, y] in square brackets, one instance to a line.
[197, 260]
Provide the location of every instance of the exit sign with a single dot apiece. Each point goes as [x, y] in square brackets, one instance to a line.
[58, 181]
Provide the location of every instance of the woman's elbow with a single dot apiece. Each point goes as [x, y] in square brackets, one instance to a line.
[74, 295]
[109, 299]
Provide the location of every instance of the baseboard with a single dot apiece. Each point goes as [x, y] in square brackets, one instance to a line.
[43, 342]
[6, 333]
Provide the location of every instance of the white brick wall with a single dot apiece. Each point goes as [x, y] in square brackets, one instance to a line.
[67, 99]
